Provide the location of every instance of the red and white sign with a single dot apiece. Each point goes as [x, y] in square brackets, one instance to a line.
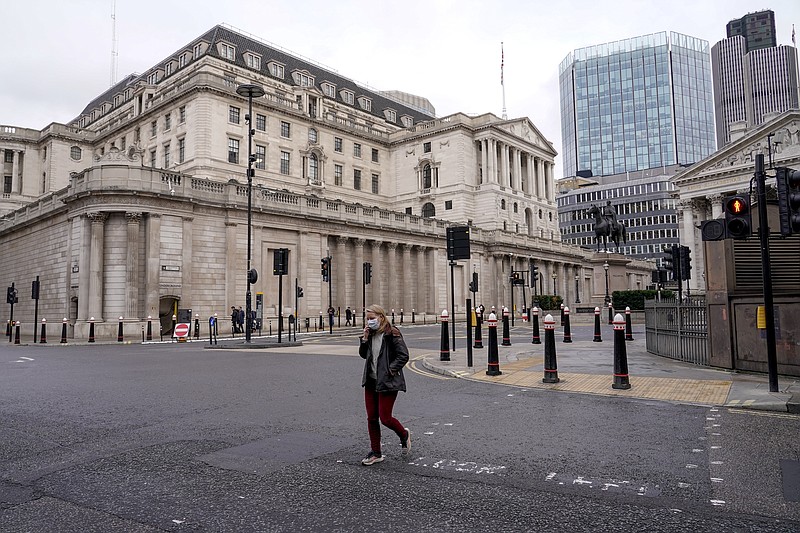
[182, 330]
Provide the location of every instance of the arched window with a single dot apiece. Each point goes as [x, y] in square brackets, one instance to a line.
[312, 135]
[540, 214]
[428, 211]
[313, 168]
[551, 216]
[515, 207]
[502, 204]
[426, 177]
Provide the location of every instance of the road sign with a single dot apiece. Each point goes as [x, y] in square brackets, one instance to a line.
[182, 330]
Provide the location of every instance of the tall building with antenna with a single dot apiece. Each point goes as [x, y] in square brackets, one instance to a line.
[753, 77]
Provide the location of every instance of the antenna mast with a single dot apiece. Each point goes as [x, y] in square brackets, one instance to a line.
[502, 84]
[114, 53]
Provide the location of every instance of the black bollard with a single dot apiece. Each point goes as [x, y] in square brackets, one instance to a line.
[8, 329]
[149, 328]
[493, 367]
[597, 337]
[197, 326]
[628, 327]
[550, 363]
[535, 338]
[444, 354]
[43, 336]
[91, 329]
[506, 332]
[413, 316]
[567, 331]
[478, 337]
[610, 313]
[210, 330]
[174, 323]
[393, 317]
[401, 316]
[119, 331]
[621, 378]
[562, 315]
[64, 331]
[16, 332]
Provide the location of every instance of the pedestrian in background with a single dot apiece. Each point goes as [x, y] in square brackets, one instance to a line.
[234, 320]
[348, 315]
[386, 354]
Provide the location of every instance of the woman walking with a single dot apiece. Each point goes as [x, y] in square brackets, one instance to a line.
[386, 354]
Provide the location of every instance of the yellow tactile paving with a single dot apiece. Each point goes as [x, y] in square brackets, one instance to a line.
[707, 392]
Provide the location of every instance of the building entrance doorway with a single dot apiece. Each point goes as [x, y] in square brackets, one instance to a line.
[168, 306]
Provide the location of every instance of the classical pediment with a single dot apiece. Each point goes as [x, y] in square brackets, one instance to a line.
[524, 129]
[738, 157]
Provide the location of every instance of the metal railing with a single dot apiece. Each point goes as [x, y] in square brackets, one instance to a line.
[678, 329]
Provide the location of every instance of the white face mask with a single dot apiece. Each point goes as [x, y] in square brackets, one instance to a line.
[372, 323]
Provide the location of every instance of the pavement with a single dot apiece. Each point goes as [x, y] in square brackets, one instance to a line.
[587, 367]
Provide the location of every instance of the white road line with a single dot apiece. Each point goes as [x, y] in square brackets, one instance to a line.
[27, 358]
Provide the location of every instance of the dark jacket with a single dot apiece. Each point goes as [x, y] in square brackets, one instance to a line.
[391, 359]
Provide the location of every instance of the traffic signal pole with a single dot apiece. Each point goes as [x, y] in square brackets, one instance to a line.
[766, 271]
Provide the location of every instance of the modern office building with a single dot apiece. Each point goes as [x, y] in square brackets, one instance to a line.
[758, 29]
[138, 207]
[636, 104]
[753, 77]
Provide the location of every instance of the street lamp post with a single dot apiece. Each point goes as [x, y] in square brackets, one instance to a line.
[250, 91]
[608, 297]
[577, 293]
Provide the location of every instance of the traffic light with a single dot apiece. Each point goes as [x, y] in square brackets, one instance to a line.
[534, 274]
[280, 264]
[367, 273]
[738, 222]
[11, 296]
[671, 261]
[686, 262]
[515, 278]
[35, 289]
[299, 291]
[789, 200]
[252, 276]
[325, 268]
[474, 282]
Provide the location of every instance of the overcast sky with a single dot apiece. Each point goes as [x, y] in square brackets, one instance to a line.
[58, 52]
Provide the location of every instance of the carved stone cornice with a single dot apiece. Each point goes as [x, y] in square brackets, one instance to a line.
[97, 217]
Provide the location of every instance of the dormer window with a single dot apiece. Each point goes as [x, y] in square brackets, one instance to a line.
[365, 103]
[329, 89]
[198, 50]
[152, 78]
[253, 61]
[390, 114]
[227, 51]
[183, 59]
[407, 121]
[348, 97]
[127, 94]
[303, 79]
[117, 99]
[276, 69]
[169, 68]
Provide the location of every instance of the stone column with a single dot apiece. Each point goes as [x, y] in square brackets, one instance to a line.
[406, 298]
[132, 280]
[518, 170]
[341, 265]
[96, 265]
[537, 177]
[375, 295]
[83, 269]
[551, 185]
[505, 177]
[356, 302]
[421, 303]
[716, 205]
[529, 186]
[187, 269]
[485, 161]
[153, 258]
[393, 285]
[492, 161]
[16, 185]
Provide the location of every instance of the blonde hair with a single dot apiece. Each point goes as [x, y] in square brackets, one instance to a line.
[383, 322]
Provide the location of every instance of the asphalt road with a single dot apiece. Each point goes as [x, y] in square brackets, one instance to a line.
[181, 438]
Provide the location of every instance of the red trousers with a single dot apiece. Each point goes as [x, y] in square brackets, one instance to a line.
[379, 411]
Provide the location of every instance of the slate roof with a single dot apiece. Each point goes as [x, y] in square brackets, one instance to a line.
[268, 53]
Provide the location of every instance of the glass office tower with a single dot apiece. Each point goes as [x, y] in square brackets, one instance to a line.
[636, 104]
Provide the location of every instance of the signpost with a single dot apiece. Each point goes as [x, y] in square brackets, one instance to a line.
[182, 331]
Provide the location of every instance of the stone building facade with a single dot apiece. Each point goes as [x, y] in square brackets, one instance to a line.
[138, 207]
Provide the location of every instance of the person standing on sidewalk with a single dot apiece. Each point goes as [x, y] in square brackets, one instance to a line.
[386, 354]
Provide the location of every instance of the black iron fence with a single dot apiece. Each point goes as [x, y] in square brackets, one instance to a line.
[678, 329]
